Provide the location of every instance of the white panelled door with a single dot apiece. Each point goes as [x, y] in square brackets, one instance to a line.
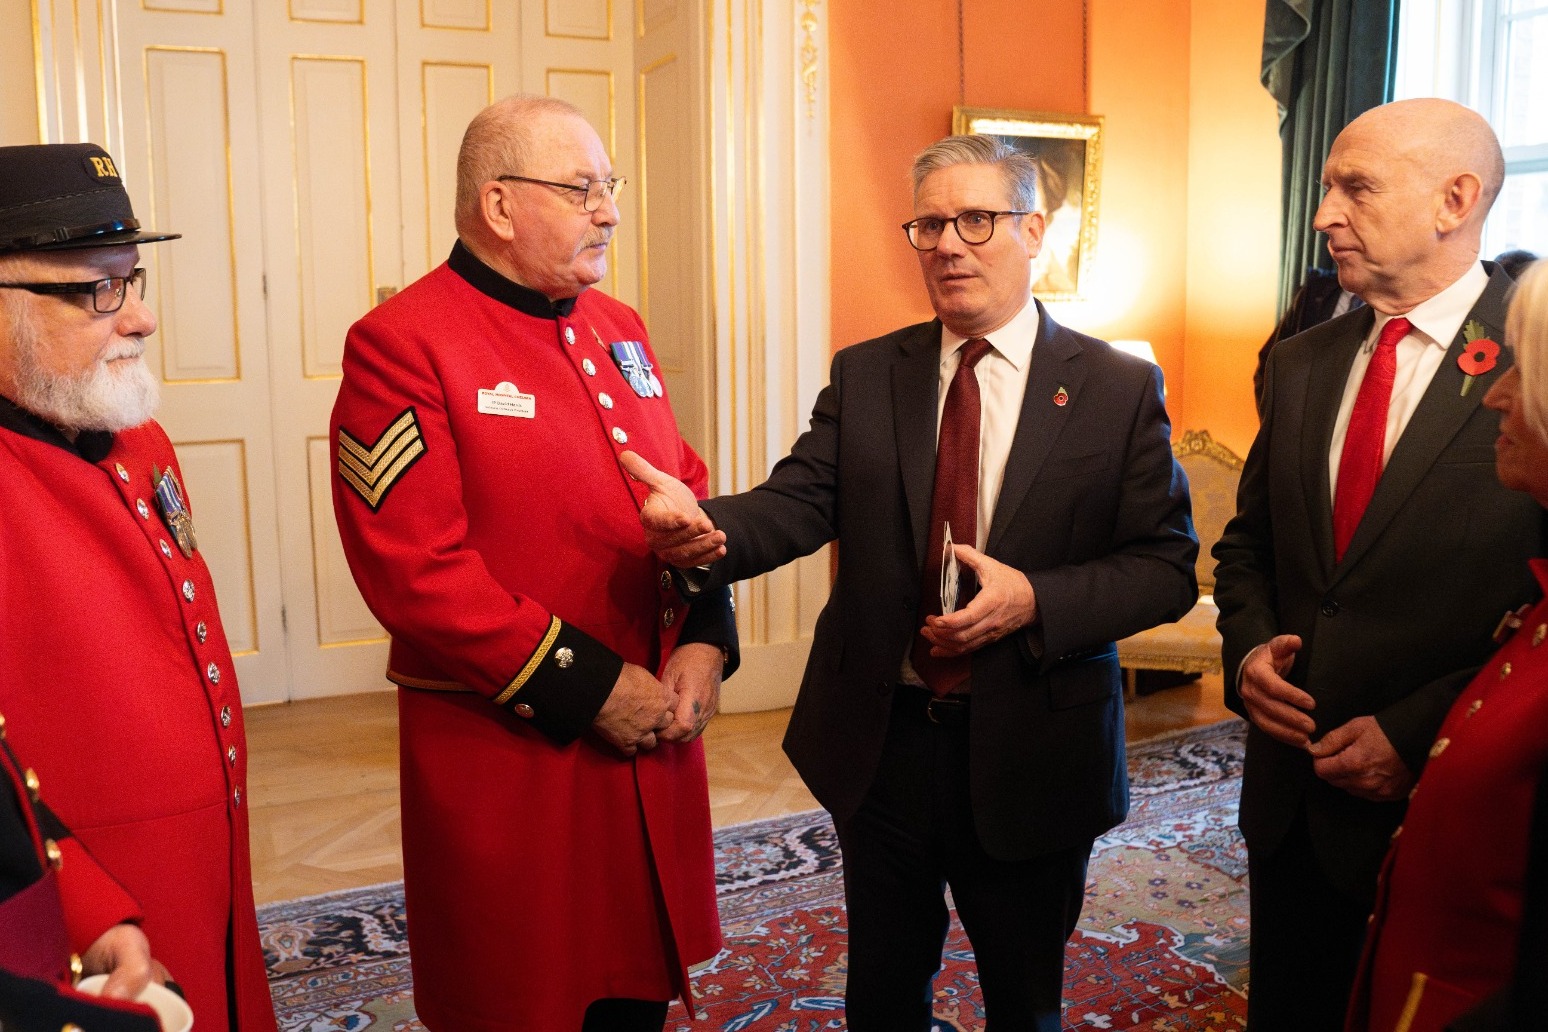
[307, 151]
[362, 106]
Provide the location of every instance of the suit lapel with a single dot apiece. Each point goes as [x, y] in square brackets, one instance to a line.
[1057, 361]
[1324, 391]
[915, 382]
[1441, 414]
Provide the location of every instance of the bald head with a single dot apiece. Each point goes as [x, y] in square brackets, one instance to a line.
[501, 139]
[524, 174]
[1442, 137]
[1407, 188]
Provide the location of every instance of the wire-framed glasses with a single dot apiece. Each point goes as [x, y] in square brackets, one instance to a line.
[973, 226]
[594, 189]
[107, 295]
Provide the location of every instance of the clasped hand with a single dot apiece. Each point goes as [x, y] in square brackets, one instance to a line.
[1356, 756]
[1005, 603]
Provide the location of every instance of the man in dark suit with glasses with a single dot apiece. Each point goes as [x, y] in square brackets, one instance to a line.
[964, 731]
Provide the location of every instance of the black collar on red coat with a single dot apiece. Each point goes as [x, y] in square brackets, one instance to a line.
[91, 445]
[486, 281]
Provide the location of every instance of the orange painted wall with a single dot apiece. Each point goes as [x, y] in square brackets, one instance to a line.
[895, 80]
[1190, 181]
[1233, 236]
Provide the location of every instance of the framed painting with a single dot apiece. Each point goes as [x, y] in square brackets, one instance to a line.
[1068, 152]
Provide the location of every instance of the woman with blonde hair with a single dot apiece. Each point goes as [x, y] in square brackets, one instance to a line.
[1456, 895]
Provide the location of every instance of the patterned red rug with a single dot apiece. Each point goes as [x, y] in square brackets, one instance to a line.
[1162, 944]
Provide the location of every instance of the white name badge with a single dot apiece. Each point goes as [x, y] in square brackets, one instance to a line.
[506, 400]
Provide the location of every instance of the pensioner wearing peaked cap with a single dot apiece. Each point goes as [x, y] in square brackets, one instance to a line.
[62, 196]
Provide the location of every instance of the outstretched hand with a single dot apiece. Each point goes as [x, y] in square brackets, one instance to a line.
[676, 529]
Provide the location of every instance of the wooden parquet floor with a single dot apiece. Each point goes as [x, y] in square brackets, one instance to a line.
[323, 781]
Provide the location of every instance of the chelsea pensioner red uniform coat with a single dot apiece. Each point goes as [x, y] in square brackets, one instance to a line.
[492, 531]
[55, 901]
[1449, 907]
[115, 668]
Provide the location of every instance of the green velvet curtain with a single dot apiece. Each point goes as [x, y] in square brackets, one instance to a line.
[1325, 62]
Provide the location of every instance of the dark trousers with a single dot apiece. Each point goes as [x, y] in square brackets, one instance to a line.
[914, 835]
[625, 1016]
[1306, 939]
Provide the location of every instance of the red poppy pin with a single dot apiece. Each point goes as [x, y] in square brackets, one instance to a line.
[1061, 396]
[1479, 356]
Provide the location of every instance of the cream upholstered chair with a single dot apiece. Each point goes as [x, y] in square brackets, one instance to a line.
[1192, 645]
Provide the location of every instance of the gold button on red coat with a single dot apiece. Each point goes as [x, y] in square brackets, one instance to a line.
[523, 710]
[668, 617]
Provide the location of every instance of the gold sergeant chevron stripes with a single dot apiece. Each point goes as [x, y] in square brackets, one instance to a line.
[372, 469]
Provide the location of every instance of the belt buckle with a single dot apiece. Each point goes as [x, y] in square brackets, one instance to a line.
[930, 705]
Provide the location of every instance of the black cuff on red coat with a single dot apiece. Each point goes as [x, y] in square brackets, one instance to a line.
[711, 620]
[31, 1006]
[564, 684]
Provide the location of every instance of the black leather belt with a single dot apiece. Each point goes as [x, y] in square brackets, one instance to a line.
[950, 711]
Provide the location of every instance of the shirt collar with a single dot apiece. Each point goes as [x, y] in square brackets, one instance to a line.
[508, 292]
[1437, 320]
[91, 445]
[1013, 341]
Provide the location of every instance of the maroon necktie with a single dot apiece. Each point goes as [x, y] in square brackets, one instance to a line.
[954, 501]
[1361, 463]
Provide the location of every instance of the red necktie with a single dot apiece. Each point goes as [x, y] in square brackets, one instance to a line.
[1360, 466]
[954, 501]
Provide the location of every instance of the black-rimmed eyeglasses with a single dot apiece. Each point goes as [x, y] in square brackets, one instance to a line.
[107, 295]
[594, 189]
[974, 227]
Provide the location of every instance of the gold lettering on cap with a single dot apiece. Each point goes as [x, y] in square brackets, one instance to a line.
[104, 166]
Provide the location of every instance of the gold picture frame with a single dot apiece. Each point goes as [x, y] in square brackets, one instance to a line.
[1065, 147]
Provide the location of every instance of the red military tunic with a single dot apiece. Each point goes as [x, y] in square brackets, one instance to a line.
[492, 531]
[55, 902]
[1448, 914]
[115, 667]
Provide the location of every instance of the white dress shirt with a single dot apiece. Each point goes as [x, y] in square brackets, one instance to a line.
[1002, 383]
[1419, 354]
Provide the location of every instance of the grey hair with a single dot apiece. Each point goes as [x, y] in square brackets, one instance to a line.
[499, 142]
[1018, 169]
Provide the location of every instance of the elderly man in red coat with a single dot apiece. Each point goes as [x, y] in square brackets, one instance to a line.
[556, 841]
[113, 664]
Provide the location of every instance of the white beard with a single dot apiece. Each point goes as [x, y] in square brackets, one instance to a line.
[109, 397]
